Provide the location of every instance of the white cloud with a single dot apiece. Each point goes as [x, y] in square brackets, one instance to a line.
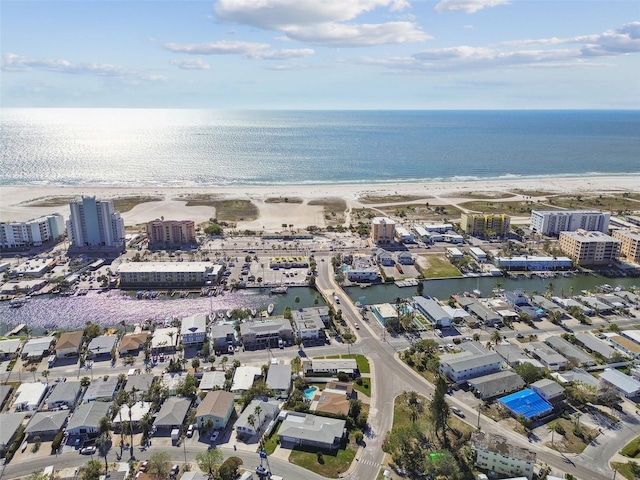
[191, 64]
[282, 54]
[224, 47]
[17, 63]
[467, 6]
[322, 22]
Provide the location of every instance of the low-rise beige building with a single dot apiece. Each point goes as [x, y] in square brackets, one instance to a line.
[589, 248]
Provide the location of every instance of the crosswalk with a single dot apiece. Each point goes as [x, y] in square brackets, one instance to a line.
[370, 463]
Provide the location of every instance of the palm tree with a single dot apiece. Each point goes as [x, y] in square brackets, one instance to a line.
[131, 401]
[496, 337]
[251, 420]
[223, 362]
[171, 335]
[45, 373]
[33, 370]
[258, 411]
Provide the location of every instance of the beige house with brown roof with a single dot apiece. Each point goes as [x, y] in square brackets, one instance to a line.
[330, 402]
[132, 342]
[217, 406]
[69, 344]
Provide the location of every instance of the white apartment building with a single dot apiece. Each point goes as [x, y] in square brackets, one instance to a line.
[169, 274]
[495, 454]
[404, 235]
[95, 223]
[31, 233]
[552, 222]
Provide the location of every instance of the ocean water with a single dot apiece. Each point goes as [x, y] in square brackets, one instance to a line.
[204, 147]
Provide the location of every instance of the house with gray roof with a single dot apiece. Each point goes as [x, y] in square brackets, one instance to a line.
[310, 430]
[265, 334]
[593, 344]
[172, 413]
[576, 375]
[141, 383]
[570, 351]
[628, 297]
[101, 390]
[36, 348]
[474, 361]
[432, 311]
[101, 346]
[9, 348]
[222, 335]
[211, 380]
[308, 328]
[64, 393]
[46, 424]
[595, 304]
[86, 419]
[483, 313]
[626, 385]
[9, 424]
[547, 356]
[512, 354]
[329, 367]
[612, 300]
[567, 303]
[495, 384]
[5, 391]
[312, 313]
[268, 412]
[519, 301]
[548, 306]
[279, 379]
[551, 391]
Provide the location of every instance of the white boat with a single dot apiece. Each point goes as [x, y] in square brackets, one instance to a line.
[228, 313]
[270, 308]
[18, 302]
[279, 290]
[253, 312]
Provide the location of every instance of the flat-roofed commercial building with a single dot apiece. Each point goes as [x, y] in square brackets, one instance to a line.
[494, 453]
[31, 233]
[485, 225]
[383, 230]
[532, 262]
[552, 222]
[589, 247]
[629, 244]
[171, 232]
[169, 274]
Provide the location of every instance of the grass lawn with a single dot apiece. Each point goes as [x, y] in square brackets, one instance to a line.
[391, 198]
[365, 388]
[626, 469]
[124, 204]
[439, 267]
[363, 366]
[632, 449]
[271, 442]
[52, 201]
[498, 207]
[570, 443]
[235, 210]
[494, 195]
[612, 202]
[332, 463]
[334, 209]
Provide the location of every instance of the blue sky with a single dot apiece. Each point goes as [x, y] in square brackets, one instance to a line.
[321, 54]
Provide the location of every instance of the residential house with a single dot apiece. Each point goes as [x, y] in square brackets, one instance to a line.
[512, 354]
[518, 300]
[29, 396]
[212, 380]
[547, 356]
[404, 258]
[266, 334]
[480, 311]
[330, 367]
[134, 414]
[473, 361]
[171, 381]
[624, 344]
[308, 328]
[494, 453]
[216, 408]
[101, 346]
[223, 336]
[336, 400]
[315, 313]
[141, 383]
[551, 391]
[626, 385]
[244, 377]
[432, 311]
[385, 259]
[85, 420]
[132, 343]
[495, 384]
[570, 351]
[549, 307]
[102, 389]
[69, 344]
[5, 391]
[310, 431]
[279, 379]
[193, 330]
[164, 339]
[9, 425]
[64, 394]
[576, 375]
[36, 348]
[9, 348]
[595, 304]
[248, 426]
[172, 414]
[46, 424]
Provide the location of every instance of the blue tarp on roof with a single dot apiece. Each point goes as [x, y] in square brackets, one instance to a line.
[526, 403]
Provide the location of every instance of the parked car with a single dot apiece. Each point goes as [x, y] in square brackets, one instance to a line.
[190, 431]
[88, 450]
[214, 436]
[357, 327]
[143, 466]
[175, 470]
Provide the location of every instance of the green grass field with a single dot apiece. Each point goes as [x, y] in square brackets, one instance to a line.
[332, 464]
[439, 267]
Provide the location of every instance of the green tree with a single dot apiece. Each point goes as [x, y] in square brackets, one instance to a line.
[209, 461]
[91, 470]
[188, 387]
[528, 372]
[91, 331]
[39, 475]
[159, 465]
[229, 468]
[496, 337]
[195, 363]
[439, 408]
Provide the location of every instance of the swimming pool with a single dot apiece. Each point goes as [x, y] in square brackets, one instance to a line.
[309, 393]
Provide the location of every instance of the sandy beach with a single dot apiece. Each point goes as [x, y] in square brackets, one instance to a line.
[15, 201]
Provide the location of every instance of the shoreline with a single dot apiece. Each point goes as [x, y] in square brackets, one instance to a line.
[15, 199]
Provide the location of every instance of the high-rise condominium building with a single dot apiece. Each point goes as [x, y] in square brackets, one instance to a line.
[383, 230]
[589, 248]
[95, 223]
[552, 222]
[31, 233]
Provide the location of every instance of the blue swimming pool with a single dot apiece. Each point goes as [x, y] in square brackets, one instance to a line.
[310, 392]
